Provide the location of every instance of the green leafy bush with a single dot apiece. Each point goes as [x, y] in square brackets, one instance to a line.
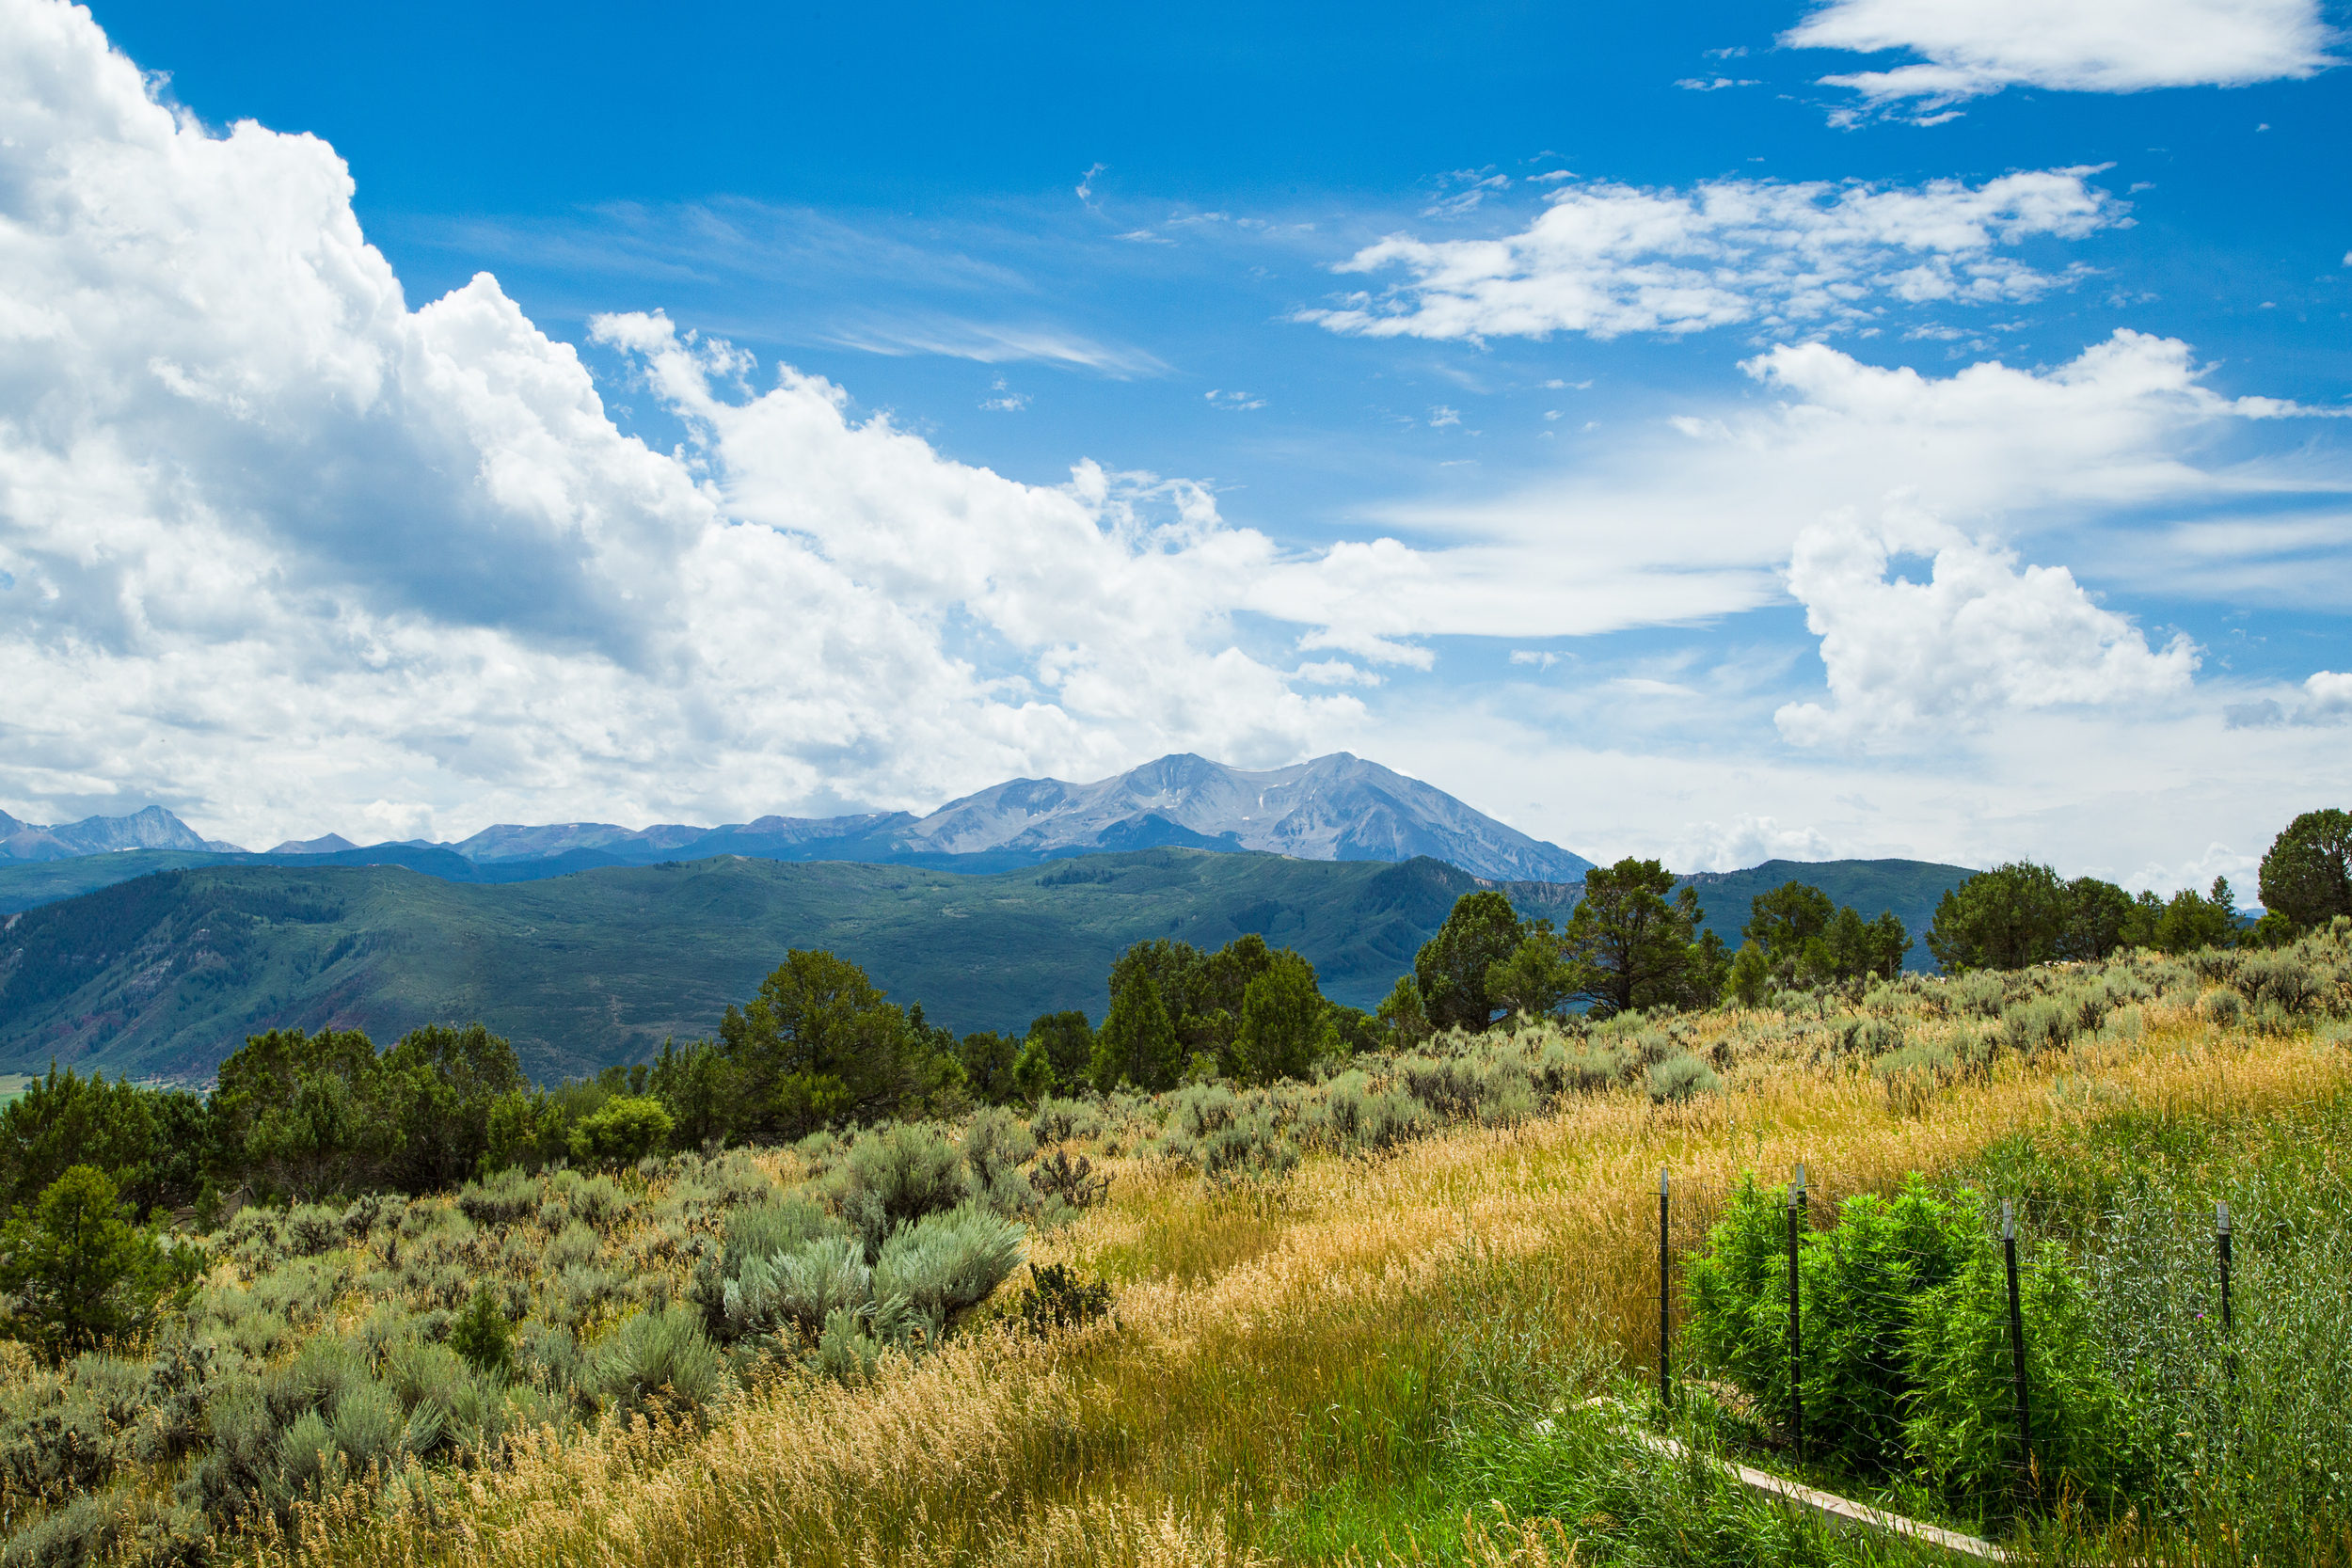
[1963, 1425]
[1860, 1291]
[623, 1130]
[482, 1337]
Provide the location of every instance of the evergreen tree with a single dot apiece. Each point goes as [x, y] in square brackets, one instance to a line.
[2307, 876]
[988, 1058]
[64, 1120]
[1630, 945]
[439, 1083]
[1534, 979]
[1137, 1043]
[1401, 1015]
[1749, 978]
[1781, 922]
[819, 1044]
[693, 1085]
[2189, 923]
[306, 1114]
[1854, 949]
[2095, 919]
[82, 1275]
[1451, 969]
[1284, 1027]
[2009, 917]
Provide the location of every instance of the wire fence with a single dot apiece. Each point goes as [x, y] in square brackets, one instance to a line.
[2008, 1376]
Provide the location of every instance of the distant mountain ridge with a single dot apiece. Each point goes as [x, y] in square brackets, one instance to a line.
[152, 828]
[1334, 808]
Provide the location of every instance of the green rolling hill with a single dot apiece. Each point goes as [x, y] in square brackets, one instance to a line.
[163, 975]
[1910, 888]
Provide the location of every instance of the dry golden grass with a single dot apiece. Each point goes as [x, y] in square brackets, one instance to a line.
[1271, 1341]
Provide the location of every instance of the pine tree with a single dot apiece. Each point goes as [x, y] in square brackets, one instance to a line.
[1137, 1043]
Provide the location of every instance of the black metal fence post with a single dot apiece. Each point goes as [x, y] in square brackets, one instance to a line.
[1796, 1328]
[1665, 1269]
[2017, 1340]
[2229, 1323]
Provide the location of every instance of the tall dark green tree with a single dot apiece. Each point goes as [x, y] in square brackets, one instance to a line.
[306, 1115]
[694, 1086]
[2009, 917]
[1284, 1023]
[1748, 978]
[1782, 921]
[440, 1082]
[1138, 1045]
[1201, 992]
[64, 1120]
[1451, 970]
[1056, 1056]
[2307, 875]
[1852, 948]
[819, 1044]
[2096, 919]
[1401, 1017]
[2187, 921]
[988, 1059]
[1632, 941]
[1535, 978]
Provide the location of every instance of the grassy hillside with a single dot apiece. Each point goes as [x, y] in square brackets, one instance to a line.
[1408, 1315]
[164, 975]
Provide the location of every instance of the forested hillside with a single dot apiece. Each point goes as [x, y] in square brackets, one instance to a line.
[165, 975]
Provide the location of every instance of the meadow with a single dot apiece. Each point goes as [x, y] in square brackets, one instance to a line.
[1360, 1320]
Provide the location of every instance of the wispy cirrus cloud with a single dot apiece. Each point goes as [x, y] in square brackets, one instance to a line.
[1605, 260]
[990, 343]
[960, 290]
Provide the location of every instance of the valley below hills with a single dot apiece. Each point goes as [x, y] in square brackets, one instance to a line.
[162, 977]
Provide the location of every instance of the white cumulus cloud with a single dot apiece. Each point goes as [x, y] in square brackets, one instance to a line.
[1979, 637]
[1605, 260]
[283, 550]
[1743, 841]
[2081, 46]
[2328, 699]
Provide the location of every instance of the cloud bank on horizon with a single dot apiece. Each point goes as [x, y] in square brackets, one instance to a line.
[289, 555]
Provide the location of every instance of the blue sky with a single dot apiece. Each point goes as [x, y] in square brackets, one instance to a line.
[1566, 406]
